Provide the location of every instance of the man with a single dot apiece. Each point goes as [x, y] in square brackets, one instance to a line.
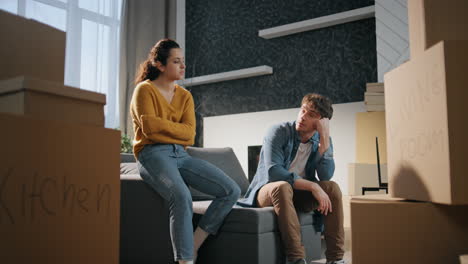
[291, 154]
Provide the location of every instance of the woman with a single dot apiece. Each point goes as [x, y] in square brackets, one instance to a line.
[164, 124]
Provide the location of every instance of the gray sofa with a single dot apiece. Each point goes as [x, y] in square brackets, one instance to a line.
[248, 235]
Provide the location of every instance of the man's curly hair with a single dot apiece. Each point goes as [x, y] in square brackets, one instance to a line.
[322, 104]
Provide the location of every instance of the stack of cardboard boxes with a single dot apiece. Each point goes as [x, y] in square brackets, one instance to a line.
[59, 179]
[369, 126]
[426, 218]
[374, 97]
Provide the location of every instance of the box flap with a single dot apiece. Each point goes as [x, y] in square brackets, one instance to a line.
[27, 83]
[375, 198]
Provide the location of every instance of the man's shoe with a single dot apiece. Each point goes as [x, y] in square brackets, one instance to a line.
[341, 261]
[298, 261]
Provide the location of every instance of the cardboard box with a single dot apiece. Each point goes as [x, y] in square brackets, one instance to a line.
[426, 106]
[60, 192]
[375, 108]
[364, 175]
[431, 21]
[30, 48]
[375, 87]
[368, 126]
[390, 230]
[51, 100]
[371, 98]
[464, 259]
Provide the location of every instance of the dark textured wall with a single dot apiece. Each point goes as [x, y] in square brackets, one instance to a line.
[222, 35]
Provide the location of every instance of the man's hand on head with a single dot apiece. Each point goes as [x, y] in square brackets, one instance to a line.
[323, 126]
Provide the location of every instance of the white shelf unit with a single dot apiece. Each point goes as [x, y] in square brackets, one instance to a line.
[317, 23]
[227, 76]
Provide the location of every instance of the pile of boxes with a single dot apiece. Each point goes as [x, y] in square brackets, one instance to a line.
[369, 126]
[425, 218]
[59, 179]
[374, 97]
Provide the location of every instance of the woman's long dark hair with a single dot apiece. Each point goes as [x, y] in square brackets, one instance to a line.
[159, 52]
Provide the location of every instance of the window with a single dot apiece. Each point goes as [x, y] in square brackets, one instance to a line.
[92, 50]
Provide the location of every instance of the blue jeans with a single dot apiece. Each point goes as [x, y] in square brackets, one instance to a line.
[168, 169]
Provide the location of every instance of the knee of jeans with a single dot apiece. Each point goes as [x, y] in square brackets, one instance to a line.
[235, 192]
[334, 191]
[181, 197]
[283, 189]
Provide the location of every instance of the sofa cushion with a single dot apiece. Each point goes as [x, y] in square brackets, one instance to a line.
[129, 168]
[249, 219]
[226, 160]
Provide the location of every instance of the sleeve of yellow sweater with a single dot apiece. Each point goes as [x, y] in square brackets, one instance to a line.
[158, 129]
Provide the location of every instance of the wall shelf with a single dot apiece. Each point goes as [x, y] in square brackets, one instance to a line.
[317, 23]
[226, 76]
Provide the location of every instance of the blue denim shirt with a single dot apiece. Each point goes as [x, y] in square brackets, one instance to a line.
[278, 151]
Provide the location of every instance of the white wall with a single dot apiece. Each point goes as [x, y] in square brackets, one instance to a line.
[242, 130]
[391, 25]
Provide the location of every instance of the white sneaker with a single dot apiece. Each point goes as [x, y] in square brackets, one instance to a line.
[341, 261]
[298, 261]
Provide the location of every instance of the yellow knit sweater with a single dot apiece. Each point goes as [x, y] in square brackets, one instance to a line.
[155, 120]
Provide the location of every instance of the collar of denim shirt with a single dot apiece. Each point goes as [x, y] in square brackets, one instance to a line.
[314, 138]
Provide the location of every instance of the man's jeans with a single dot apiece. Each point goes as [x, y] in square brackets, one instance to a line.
[287, 201]
[168, 169]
